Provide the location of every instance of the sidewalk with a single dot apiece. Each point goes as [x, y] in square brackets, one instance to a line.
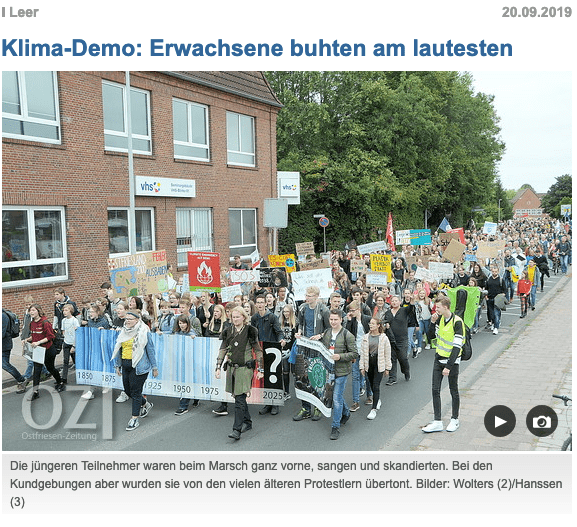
[521, 373]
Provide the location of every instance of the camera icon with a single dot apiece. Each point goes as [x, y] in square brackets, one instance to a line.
[542, 421]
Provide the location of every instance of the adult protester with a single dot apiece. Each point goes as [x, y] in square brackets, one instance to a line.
[7, 345]
[449, 331]
[495, 286]
[358, 324]
[238, 344]
[134, 357]
[398, 319]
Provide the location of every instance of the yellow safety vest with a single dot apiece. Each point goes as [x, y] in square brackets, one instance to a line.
[446, 335]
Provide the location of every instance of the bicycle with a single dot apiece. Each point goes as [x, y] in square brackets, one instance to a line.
[567, 444]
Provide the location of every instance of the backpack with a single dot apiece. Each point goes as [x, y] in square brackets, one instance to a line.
[460, 305]
[13, 323]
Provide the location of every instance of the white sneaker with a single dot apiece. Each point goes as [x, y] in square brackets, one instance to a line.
[105, 390]
[379, 405]
[87, 395]
[433, 426]
[122, 397]
[372, 414]
[495, 331]
[453, 425]
[428, 347]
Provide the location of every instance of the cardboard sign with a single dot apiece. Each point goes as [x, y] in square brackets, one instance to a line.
[272, 277]
[204, 271]
[368, 248]
[381, 263]
[320, 263]
[358, 266]
[322, 278]
[283, 260]
[446, 237]
[489, 249]
[305, 248]
[228, 293]
[414, 237]
[139, 274]
[412, 261]
[239, 276]
[377, 278]
[454, 251]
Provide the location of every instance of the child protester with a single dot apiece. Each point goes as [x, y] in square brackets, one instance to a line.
[69, 326]
[524, 290]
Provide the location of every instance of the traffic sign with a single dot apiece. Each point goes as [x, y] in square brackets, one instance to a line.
[324, 222]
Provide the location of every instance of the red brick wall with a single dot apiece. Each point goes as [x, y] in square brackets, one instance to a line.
[528, 200]
[81, 176]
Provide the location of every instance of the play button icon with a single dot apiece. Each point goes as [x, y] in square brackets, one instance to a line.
[500, 421]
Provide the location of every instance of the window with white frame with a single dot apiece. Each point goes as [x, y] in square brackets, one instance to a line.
[242, 231]
[240, 139]
[115, 112]
[121, 226]
[193, 232]
[190, 130]
[33, 244]
[30, 106]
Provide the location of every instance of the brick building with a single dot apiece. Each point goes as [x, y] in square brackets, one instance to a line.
[65, 187]
[527, 204]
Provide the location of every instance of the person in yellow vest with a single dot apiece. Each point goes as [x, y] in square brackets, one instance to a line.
[449, 330]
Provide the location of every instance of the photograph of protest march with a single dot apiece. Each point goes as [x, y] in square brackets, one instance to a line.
[285, 260]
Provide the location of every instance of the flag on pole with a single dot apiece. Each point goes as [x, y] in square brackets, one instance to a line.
[389, 236]
[445, 225]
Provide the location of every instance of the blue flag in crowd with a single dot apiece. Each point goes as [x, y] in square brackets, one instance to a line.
[445, 225]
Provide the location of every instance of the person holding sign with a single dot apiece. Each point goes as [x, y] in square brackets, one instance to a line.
[134, 357]
[238, 343]
[42, 334]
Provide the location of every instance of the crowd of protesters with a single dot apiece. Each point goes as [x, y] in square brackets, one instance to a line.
[370, 331]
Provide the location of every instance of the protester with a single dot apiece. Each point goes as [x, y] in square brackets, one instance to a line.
[7, 345]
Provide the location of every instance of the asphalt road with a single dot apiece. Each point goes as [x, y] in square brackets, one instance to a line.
[201, 430]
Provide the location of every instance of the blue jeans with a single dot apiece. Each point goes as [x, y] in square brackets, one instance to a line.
[423, 328]
[533, 295]
[6, 366]
[410, 345]
[564, 263]
[340, 407]
[477, 313]
[493, 313]
[356, 381]
[510, 286]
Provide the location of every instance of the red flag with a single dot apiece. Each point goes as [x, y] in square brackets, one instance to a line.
[390, 238]
[461, 233]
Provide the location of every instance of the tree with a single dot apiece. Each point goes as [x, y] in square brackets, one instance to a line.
[555, 195]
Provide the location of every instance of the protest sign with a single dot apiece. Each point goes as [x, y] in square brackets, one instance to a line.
[272, 277]
[314, 375]
[204, 271]
[320, 263]
[424, 274]
[460, 231]
[489, 249]
[454, 251]
[283, 260]
[357, 266]
[470, 310]
[381, 263]
[228, 293]
[139, 274]
[322, 278]
[412, 261]
[413, 237]
[305, 248]
[368, 248]
[238, 276]
[490, 228]
[441, 271]
[377, 278]
[470, 258]
[185, 367]
[446, 237]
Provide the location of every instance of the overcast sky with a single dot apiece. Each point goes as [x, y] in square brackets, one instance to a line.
[535, 112]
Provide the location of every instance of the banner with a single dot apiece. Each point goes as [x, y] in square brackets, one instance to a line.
[139, 274]
[414, 237]
[283, 260]
[368, 248]
[381, 263]
[272, 277]
[314, 375]
[185, 367]
[322, 278]
[204, 271]
[239, 276]
[307, 265]
[377, 278]
[305, 248]
[228, 293]
[454, 251]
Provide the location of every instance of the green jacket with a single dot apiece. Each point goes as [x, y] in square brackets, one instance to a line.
[346, 347]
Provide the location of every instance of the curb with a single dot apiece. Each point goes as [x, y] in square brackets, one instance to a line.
[408, 438]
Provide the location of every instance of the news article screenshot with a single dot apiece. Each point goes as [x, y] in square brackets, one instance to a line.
[299, 259]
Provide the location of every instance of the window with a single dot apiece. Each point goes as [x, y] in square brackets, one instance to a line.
[120, 228]
[240, 139]
[190, 130]
[242, 229]
[33, 244]
[193, 232]
[116, 116]
[30, 106]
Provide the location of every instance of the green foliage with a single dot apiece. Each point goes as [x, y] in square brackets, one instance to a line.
[367, 143]
[558, 194]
